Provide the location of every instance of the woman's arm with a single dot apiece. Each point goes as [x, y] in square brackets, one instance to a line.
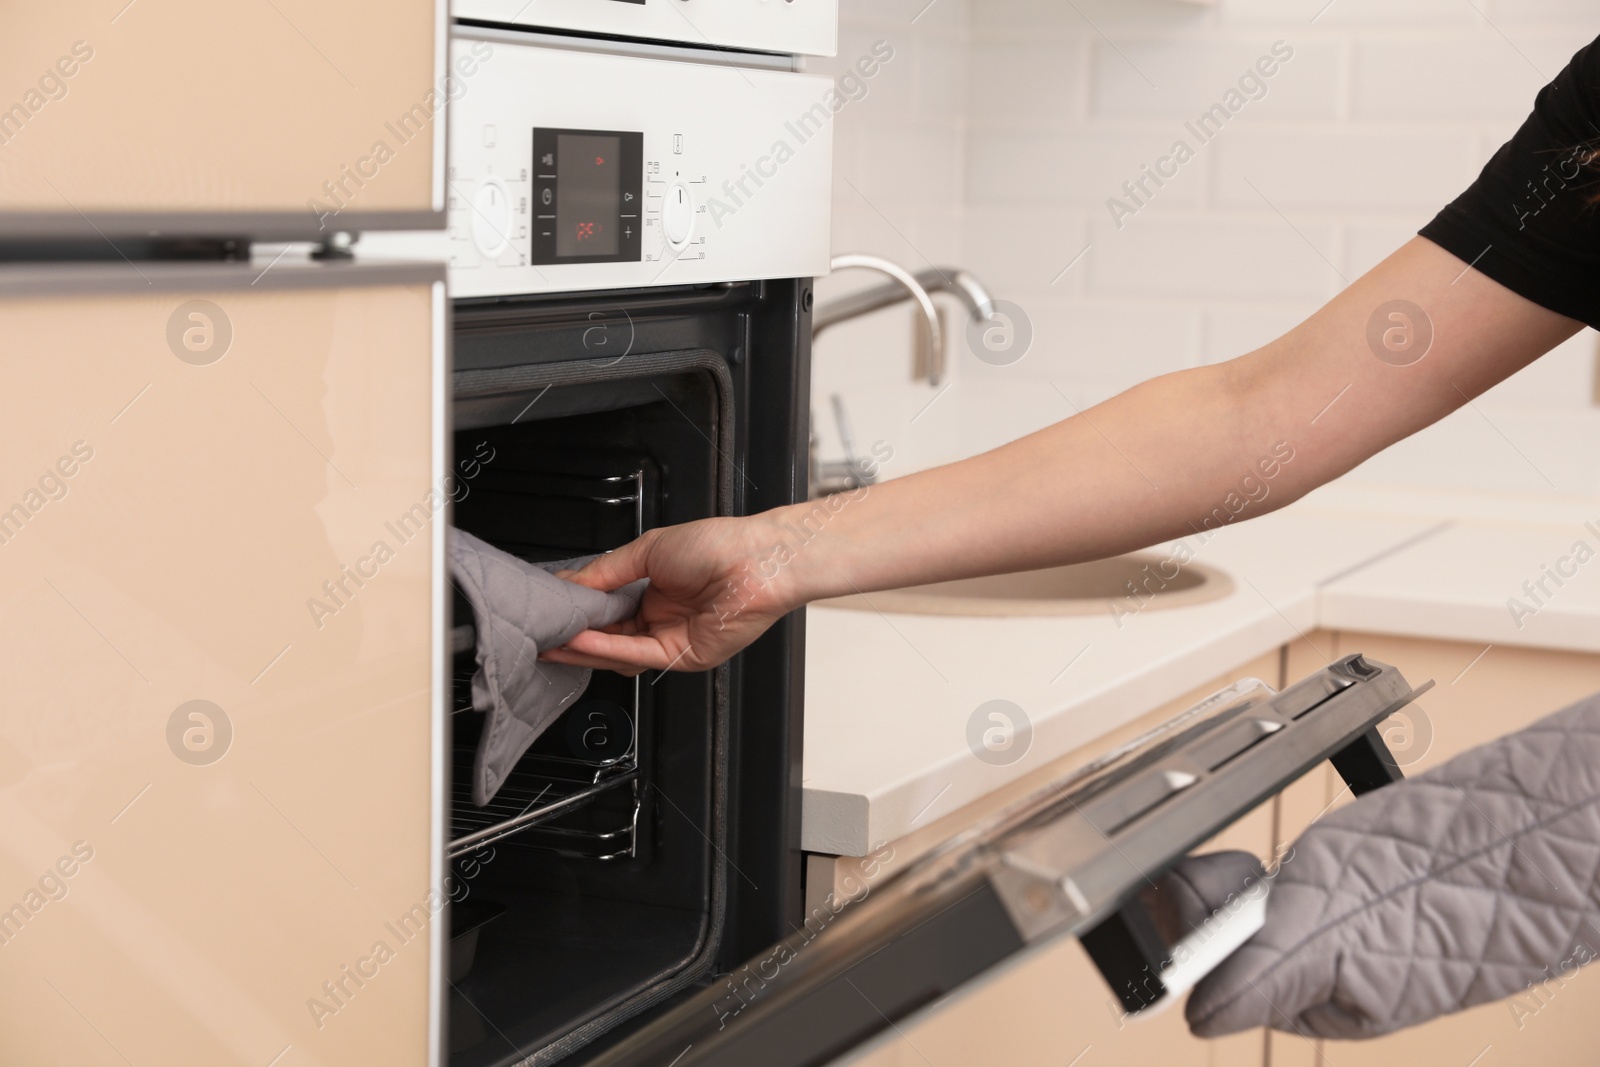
[1154, 463]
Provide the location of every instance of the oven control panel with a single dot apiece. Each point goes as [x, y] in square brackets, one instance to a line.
[575, 170]
[802, 27]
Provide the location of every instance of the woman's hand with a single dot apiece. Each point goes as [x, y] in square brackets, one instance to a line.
[715, 586]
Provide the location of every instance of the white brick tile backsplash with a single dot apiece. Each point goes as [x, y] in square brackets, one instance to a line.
[1180, 79]
[1076, 168]
[1229, 257]
[859, 228]
[1562, 377]
[1552, 49]
[891, 93]
[1021, 250]
[1011, 19]
[943, 79]
[916, 166]
[1492, 448]
[1464, 76]
[939, 16]
[1542, 12]
[995, 136]
[1113, 343]
[1365, 14]
[1028, 82]
[1334, 169]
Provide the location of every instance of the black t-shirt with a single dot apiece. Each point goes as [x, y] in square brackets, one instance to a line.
[1529, 221]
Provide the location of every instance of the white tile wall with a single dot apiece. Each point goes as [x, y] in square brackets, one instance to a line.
[996, 135]
[899, 192]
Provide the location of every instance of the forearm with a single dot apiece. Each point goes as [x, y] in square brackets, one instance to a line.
[1184, 452]
[1172, 456]
[1180, 454]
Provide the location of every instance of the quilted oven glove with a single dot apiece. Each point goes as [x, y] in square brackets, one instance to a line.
[518, 609]
[1460, 886]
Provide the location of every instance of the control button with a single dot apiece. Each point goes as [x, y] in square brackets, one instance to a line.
[677, 215]
[546, 195]
[491, 218]
[490, 135]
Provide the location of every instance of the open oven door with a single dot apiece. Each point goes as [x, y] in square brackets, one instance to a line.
[1069, 861]
[222, 511]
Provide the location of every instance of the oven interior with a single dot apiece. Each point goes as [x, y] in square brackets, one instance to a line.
[588, 880]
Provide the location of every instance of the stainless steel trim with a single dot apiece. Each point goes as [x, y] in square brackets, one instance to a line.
[439, 781]
[441, 70]
[76, 279]
[511, 827]
[300, 225]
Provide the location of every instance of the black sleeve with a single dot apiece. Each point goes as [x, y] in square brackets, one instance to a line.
[1530, 221]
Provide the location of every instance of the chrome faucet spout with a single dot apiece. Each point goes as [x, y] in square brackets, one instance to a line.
[905, 286]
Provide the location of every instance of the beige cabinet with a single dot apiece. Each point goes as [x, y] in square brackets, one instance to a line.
[289, 118]
[1481, 694]
[220, 596]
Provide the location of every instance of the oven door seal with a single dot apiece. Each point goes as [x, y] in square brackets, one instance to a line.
[484, 384]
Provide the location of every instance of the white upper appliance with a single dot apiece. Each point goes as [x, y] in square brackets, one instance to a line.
[802, 27]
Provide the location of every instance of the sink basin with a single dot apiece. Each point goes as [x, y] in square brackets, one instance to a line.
[1106, 585]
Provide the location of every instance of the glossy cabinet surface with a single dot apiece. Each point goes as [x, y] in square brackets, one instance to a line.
[220, 585]
[274, 119]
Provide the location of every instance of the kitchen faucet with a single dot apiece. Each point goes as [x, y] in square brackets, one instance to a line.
[832, 476]
[907, 286]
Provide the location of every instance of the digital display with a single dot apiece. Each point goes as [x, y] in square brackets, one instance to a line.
[588, 186]
[587, 189]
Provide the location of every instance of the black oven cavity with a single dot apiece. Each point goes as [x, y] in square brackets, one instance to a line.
[649, 839]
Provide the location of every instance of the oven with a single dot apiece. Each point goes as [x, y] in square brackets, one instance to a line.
[630, 273]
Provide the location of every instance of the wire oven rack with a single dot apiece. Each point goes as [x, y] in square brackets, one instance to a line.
[556, 800]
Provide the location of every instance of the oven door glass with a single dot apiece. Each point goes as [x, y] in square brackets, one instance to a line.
[221, 639]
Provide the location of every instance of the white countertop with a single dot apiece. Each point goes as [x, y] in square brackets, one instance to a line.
[888, 697]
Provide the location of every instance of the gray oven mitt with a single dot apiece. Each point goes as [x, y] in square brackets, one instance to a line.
[519, 608]
[1460, 886]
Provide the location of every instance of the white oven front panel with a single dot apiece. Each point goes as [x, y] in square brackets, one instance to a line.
[808, 27]
[576, 170]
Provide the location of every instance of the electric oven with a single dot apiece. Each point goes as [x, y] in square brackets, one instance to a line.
[629, 267]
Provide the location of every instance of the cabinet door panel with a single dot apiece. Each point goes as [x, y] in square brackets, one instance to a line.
[222, 119]
[219, 784]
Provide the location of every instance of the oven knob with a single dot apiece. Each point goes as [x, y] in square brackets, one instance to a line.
[491, 218]
[677, 216]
